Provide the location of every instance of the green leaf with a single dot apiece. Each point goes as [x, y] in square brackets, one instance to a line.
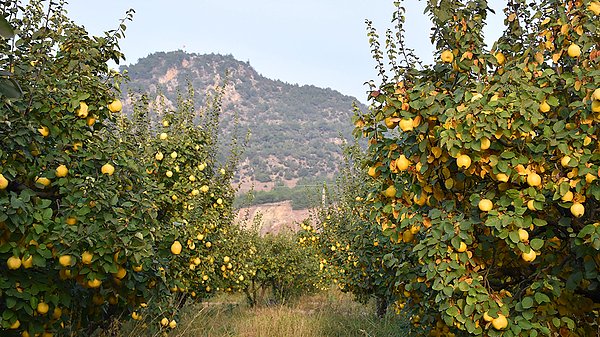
[10, 88]
[47, 213]
[587, 230]
[502, 166]
[11, 302]
[527, 302]
[452, 311]
[553, 101]
[6, 31]
[507, 155]
[536, 243]
[556, 322]
[541, 298]
[514, 236]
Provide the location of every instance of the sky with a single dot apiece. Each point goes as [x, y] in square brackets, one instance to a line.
[318, 42]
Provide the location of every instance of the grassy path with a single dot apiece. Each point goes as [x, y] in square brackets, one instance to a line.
[328, 314]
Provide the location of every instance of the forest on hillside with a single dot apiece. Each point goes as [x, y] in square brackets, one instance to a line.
[294, 132]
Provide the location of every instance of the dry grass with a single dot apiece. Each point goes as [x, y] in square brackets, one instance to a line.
[327, 314]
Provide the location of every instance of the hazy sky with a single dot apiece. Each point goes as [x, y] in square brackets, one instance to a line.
[319, 42]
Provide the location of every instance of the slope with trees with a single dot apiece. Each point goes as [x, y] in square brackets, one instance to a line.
[294, 130]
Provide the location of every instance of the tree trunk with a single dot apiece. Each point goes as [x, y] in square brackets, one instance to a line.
[382, 305]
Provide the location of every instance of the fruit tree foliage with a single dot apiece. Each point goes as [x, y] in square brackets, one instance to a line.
[494, 152]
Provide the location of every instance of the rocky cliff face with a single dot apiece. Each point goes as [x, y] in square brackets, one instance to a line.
[274, 218]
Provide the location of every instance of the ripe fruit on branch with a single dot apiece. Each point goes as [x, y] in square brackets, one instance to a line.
[121, 273]
[500, 58]
[589, 178]
[44, 131]
[28, 262]
[95, 283]
[42, 308]
[86, 257]
[534, 179]
[594, 6]
[485, 205]
[530, 256]
[3, 182]
[577, 210]
[502, 177]
[523, 235]
[567, 197]
[596, 94]
[43, 181]
[447, 56]
[82, 111]
[402, 163]
[500, 323]
[406, 124]
[420, 200]
[574, 50]
[62, 171]
[544, 107]
[65, 260]
[373, 171]
[115, 106]
[56, 313]
[13, 263]
[390, 192]
[107, 169]
[463, 161]
[485, 143]
[176, 248]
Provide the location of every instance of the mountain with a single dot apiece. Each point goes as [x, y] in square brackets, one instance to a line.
[295, 130]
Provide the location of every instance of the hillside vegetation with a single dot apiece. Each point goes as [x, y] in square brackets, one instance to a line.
[295, 130]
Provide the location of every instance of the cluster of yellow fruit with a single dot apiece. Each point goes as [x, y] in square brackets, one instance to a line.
[15, 262]
[62, 170]
[83, 112]
[166, 323]
[499, 323]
